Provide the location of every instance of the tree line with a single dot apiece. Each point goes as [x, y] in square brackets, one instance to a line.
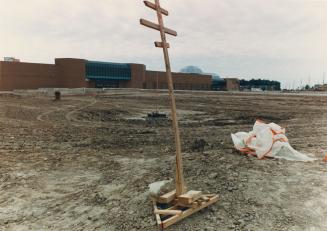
[260, 83]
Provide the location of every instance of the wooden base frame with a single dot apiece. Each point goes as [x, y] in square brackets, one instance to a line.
[172, 212]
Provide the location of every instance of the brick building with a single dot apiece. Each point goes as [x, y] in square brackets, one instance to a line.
[182, 81]
[226, 84]
[80, 73]
[232, 84]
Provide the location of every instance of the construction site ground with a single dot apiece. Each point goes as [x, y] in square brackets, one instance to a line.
[85, 162]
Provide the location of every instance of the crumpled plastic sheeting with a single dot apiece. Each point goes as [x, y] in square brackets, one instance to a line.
[267, 140]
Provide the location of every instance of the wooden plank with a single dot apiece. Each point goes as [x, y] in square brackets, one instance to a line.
[179, 177]
[205, 198]
[154, 26]
[158, 219]
[175, 207]
[167, 212]
[188, 212]
[167, 198]
[149, 24]
[160, 44]
[189, 197]
[209, 195]
[154, 7]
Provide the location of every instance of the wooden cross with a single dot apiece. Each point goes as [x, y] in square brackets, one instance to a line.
[178, 204]
[179, 178]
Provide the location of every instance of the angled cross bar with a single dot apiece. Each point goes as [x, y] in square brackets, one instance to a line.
[157, 27]
[154, 7]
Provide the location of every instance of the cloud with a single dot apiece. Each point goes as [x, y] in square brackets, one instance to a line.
[276, 39]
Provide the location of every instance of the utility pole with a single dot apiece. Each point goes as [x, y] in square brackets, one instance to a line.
[178, 204]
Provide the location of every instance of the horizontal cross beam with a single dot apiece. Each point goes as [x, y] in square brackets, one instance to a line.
[154, 7]
[161, 44]
[157, 27]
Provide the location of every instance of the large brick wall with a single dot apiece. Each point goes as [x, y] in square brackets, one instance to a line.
[17, 75]
[182, 81]
[71, 73]
[138, 77]
[65, 73]
[232, 84]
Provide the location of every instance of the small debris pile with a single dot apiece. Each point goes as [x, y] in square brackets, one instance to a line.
[199, 145]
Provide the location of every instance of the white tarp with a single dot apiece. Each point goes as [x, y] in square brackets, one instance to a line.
[267, 140]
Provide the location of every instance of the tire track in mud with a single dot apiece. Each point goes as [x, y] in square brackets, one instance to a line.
[57, 109]
[82, 123]
[69, 116]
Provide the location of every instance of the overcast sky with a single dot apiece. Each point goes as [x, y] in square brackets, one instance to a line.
[284, 40]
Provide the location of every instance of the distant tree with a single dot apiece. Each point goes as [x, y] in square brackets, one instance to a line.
[307, 87]
[261, 83]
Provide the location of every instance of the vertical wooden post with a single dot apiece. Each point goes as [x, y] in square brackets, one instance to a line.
[180, 184]
[193, 201]
[179, 178]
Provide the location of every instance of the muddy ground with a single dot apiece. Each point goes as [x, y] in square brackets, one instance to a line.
[85, 163]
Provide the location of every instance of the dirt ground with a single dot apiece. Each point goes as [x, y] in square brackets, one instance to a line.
[85, 162]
